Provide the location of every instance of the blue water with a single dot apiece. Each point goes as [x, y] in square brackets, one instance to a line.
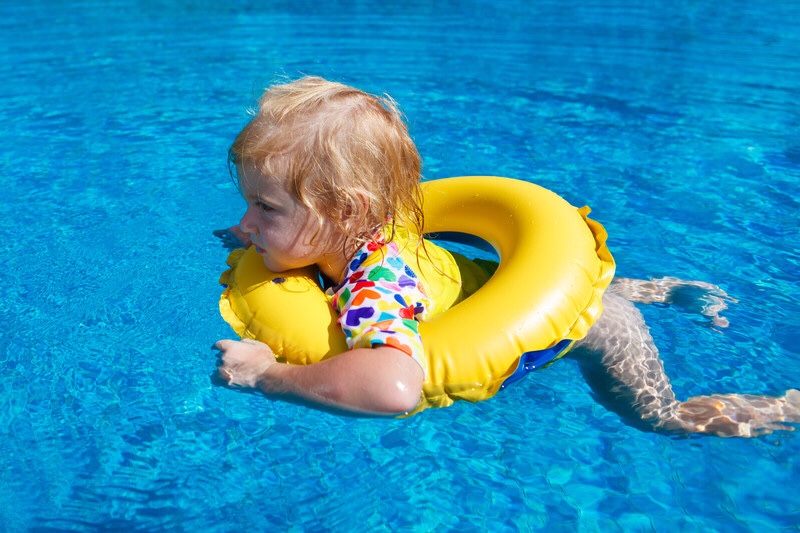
[677, 121]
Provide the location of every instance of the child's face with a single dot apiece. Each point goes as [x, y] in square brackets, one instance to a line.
[282, 228]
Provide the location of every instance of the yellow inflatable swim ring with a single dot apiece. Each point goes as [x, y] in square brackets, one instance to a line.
[545, 294]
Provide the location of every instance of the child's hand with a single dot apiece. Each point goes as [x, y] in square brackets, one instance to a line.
[233, 238]
[244, 363]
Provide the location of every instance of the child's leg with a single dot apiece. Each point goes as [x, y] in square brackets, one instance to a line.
[694, 296]
[621, 362]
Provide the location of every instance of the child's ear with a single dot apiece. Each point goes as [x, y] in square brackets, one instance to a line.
[356, 212]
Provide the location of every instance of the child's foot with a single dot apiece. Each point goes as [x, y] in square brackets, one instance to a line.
[694, 296]
[233, 238]
[737, 415]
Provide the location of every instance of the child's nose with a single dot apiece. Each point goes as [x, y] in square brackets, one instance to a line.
[245, 224]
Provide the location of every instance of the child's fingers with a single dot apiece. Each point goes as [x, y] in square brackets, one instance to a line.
[232, 238]
[222, 345]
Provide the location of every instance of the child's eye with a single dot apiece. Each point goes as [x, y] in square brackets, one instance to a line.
[264, 207]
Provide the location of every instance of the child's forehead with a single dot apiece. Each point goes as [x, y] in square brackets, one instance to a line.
[253, 181]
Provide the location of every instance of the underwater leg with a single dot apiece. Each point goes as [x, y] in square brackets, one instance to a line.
[620, 361]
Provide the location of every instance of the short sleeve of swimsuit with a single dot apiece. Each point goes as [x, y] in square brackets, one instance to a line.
[380, 301]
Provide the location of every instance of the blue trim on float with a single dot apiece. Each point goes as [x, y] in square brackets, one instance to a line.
[530, 361]
[461, 238]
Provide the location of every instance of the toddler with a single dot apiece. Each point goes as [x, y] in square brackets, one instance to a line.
[331, 177]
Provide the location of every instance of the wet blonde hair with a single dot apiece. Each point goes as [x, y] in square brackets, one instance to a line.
[346, 155]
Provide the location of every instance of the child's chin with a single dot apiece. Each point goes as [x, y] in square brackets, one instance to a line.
[271, 266]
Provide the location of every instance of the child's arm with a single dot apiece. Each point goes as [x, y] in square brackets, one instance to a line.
[380, 380]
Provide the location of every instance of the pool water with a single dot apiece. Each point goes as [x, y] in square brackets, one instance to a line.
[676, 121]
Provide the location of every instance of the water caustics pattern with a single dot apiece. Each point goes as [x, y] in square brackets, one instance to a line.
[676, 121]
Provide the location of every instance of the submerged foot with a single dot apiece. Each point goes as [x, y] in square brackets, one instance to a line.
[736, 415]
[699, 297]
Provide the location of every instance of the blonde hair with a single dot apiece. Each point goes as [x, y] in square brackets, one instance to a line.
[346, 155]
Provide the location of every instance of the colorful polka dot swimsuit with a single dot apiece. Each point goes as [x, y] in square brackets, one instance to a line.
[381, 300]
